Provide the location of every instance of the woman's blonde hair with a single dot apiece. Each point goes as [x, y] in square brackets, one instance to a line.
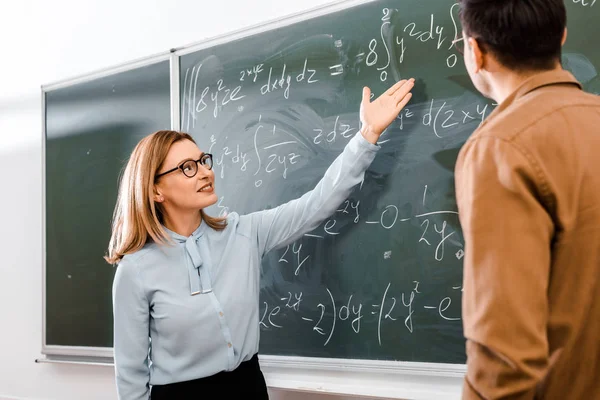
[137, 219]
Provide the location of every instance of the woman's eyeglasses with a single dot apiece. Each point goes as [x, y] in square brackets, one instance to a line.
[190, 167]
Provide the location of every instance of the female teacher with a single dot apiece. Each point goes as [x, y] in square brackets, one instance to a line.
[186, 290]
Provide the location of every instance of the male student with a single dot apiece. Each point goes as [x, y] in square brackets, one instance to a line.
[528, 193]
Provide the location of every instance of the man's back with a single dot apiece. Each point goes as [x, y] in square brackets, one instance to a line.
[528, 191]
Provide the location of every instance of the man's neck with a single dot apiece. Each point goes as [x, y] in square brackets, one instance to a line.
[504, 82]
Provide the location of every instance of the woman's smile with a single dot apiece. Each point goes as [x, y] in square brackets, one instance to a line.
[208, 188]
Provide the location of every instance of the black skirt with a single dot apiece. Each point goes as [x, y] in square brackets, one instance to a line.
[245, 382]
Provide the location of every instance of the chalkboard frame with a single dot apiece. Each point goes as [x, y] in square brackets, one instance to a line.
[373, 378]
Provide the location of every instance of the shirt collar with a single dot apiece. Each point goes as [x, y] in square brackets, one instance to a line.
[198, 274]
[554, 77]
[182, 239]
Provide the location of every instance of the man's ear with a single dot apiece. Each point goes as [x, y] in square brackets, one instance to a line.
[564, 38]
[478, 54]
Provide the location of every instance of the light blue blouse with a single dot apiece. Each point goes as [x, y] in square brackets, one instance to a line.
[191, 310]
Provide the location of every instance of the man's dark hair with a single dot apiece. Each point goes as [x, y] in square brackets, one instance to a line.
[523, 35]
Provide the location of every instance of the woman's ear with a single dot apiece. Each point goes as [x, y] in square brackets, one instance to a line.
[158, 197]
[564, 38]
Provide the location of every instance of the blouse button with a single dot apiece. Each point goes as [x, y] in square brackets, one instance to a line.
[229, 344]
[221, 313]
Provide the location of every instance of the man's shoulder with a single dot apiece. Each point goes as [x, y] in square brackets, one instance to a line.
[541, 110]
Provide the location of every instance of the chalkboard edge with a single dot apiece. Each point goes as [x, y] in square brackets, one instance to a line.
[353, 377]
[370, 378]
[108, 71]
[43, 216]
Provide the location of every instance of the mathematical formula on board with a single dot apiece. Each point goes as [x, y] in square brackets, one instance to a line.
[350, 314]
[213, 98]
[393, 307]
[437, 236]
[269, 154]
[281, 153]
[585, 3]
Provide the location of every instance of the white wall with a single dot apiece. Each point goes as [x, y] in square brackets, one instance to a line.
[41, 42]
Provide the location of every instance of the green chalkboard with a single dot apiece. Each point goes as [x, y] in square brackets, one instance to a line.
[91, 128]
[381, 279]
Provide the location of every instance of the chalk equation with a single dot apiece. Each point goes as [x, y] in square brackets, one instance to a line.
[434, 232]
[275, 152]
[383, 53]
[391, 307]
[585, 3]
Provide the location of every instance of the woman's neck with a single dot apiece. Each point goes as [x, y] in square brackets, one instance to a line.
[183, 224]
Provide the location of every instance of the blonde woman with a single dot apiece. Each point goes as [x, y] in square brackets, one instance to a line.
[186, 290]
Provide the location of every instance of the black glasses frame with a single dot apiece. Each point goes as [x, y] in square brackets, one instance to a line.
[202, 161]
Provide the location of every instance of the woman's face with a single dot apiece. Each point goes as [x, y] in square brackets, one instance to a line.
[175, 190]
